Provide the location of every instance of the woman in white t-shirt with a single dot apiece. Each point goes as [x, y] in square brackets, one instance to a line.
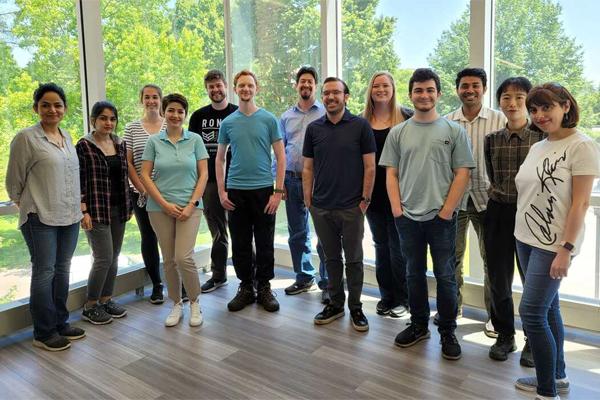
[554, 185]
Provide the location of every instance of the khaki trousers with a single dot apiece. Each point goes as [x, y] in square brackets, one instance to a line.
[177, 240]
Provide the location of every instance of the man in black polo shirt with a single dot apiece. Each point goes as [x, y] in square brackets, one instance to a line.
[338, 176]
[206, 122]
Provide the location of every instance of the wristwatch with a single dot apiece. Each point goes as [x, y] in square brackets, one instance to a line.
[279, 191]
[367, 200]
[195, 203]
[567, 245]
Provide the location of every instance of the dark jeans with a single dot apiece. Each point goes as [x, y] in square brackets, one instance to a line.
[540, 313]
[476, 218]
[51, 249]
[105, 241]
[390, 266]
[249, 220]
[149, 242]
[500, 248]
[216, 218]
[337, 230]
[440, 235]
[299, 234]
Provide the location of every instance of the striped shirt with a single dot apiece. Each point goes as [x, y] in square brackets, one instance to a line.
[135, 139]
[486, 121]
[504, 152]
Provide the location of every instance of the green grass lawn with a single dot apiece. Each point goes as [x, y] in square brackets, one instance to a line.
[14, 254]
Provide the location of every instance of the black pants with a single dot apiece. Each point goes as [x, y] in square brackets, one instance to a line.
[501, 253]
[248, 221]
[149, 243]
[342, 230]
[216, 218]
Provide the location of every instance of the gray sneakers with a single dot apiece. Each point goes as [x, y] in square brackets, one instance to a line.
[529, 384]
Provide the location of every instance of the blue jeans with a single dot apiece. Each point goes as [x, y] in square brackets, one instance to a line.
[390, 267]
[540, 314]
[299, 234]
[440, 235]
[51, 249]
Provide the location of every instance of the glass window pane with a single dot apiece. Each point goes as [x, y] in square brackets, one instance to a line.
[274, 39]
[38, 43]
[553, 41]
[168, 43]
[382, 35]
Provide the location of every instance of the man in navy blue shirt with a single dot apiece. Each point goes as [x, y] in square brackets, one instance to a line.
[337, 180]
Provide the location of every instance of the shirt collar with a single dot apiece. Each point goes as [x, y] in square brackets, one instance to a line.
[39, 131]
[521, 133]
[163, 135]
[316, 106]
[459, 116]
[346, 117]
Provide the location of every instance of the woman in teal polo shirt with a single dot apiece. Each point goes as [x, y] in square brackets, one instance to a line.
[179, 161]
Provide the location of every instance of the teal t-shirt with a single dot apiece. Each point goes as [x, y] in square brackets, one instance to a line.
[425, 155]
[175, 167]
[250, 138]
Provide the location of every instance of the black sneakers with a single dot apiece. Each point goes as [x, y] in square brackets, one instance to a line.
[72, 333]
[328, 315]
[298, 287]
[325, 297]
[526, 356]
[114, 310]
[265, 297]
[213, 284]
[504, 344]
[411, 336]
[157, 294]
[53, 343]
[359, 321]
[382, 309]
[96, 315]
[245, 295]
[450, 346]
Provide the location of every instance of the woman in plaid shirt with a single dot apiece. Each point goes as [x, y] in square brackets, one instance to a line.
[106, 208]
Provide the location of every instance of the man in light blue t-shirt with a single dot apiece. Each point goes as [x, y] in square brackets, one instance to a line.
[428, 161]
[248, 195]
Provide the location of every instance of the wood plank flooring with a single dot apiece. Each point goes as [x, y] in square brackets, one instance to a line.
[259, 355]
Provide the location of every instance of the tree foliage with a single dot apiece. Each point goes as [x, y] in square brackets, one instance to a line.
[530, 42]
[174, 42]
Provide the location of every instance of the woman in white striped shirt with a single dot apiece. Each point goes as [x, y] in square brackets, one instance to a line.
[136, 136]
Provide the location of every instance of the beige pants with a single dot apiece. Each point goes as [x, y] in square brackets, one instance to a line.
[177, 240]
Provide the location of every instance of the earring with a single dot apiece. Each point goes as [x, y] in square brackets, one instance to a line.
[566, 118]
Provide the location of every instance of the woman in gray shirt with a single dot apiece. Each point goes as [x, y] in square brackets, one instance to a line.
[43, 180]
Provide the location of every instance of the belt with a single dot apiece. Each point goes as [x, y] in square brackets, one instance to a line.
[294, 174]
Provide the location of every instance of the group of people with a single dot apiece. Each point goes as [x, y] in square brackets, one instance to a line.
[522, 176]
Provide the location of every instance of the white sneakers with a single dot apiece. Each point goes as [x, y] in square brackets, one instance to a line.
[175, 315]
[195, 313]
[177, 312]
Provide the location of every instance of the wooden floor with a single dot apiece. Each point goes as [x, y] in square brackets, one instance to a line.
[260, 355]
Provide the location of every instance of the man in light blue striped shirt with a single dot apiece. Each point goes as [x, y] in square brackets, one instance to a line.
[293, 127]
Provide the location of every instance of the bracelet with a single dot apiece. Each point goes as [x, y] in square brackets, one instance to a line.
[279, 191]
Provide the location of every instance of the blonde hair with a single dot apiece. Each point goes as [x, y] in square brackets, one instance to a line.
[394, 108]
[245, 72]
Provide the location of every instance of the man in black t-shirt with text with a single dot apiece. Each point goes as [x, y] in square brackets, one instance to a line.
[206, 122]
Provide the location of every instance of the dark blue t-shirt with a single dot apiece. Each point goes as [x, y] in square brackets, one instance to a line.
[337, 150]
